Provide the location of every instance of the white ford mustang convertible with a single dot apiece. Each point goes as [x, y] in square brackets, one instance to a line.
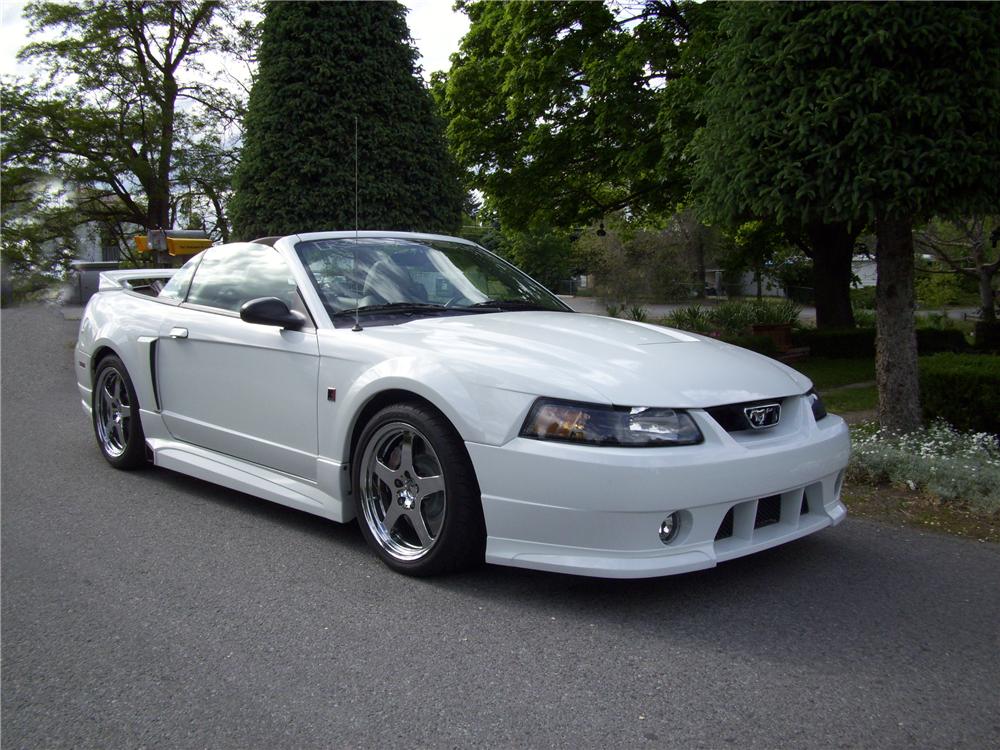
[454, 406]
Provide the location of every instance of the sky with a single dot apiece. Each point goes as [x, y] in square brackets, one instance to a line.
[436, 30]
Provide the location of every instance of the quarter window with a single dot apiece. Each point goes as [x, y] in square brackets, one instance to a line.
[231, 275]
[177, 286]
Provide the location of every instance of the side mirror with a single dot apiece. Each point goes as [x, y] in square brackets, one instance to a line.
[271, 311]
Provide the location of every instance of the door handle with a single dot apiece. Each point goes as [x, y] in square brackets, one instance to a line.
[178, 333]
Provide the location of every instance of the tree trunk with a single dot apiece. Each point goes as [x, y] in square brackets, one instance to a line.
[832, 250]
[896, 336]
[987, 297]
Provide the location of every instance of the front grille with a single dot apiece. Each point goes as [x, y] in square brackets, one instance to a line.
[744, 519]
[768, 511]
[732, 418]
[726, 527]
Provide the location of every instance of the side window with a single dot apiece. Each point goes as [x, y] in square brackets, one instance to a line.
[177, 286]
[230, 275]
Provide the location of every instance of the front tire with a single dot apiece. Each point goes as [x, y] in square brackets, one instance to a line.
[115, 410]
[417, 499]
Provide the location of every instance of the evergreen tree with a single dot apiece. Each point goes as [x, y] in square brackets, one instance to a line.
[321, 66]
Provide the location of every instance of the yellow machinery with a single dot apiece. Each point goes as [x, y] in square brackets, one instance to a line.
[172, 243]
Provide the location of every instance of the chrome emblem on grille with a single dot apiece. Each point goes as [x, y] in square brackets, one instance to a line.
[760, 417]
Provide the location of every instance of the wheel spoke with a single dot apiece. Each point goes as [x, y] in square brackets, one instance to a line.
[430, 485]
[392, 514]
[120, 433]
[109, 397]
[125, 411]
[386, 475]
[406, 454]
[423, 534]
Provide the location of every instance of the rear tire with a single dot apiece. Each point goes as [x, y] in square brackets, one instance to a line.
[416, 496]
[115, 410]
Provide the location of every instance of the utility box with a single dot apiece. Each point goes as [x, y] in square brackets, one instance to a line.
[88, 276]
[173, 243]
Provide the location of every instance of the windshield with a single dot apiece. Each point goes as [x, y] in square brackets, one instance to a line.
[379, 274]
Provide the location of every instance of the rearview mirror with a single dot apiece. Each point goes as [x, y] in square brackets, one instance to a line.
[271, 311]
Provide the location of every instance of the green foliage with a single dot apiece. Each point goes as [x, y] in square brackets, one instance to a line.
[733, 318]
[863, 298]
[954, 465]
[322, 67]
[544, 254]
[761, 344]
[638, 313]
[963, 389]
[899, 117]
[833, 373]
[635, 263]
[774, 312]
[556, 110]
[863, 398]
[987, 337]
[936, 289]
[860, 342]
[108, 124]
[795, 272]
[691, 318]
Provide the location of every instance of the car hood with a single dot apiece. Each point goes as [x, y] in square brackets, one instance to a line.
[592, 358]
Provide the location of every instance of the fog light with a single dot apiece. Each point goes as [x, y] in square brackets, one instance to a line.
[669, 527]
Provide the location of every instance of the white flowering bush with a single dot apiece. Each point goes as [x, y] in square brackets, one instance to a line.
[951, 464]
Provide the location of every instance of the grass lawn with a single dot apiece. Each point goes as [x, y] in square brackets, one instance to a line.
[845, 400]
[833, 373]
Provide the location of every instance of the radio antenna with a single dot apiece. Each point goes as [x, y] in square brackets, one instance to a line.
[357, 288]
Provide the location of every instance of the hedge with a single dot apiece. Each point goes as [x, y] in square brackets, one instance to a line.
[987, 336]
[962, 389]
[860, 342]
[760, 344]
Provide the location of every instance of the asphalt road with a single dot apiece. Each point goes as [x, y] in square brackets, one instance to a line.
[147, 609]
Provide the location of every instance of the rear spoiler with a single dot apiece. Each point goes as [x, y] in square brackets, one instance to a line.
[118, 280]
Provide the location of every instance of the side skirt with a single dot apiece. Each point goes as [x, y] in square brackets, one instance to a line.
[250, 478]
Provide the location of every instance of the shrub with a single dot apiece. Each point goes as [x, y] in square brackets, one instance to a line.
[731, 318]
[638, 312]
[860, 342]
[614, 310]
[987, 336]
[951, 464]
[930, 340]
[963, 389]
[760, 344]
[734, 318]
[781, 312]
[864, 317]
[863, 298]
[836, 342]
[692, 318]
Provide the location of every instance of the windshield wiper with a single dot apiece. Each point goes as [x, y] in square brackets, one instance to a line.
[398, 307]
[509, 304]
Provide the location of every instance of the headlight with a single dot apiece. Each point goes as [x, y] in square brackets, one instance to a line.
[597, 424]
[819, 409]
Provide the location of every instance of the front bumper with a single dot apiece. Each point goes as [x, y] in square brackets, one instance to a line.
[597, 511]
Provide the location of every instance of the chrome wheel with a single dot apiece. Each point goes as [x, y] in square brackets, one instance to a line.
[402, 487]
[112, 412]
